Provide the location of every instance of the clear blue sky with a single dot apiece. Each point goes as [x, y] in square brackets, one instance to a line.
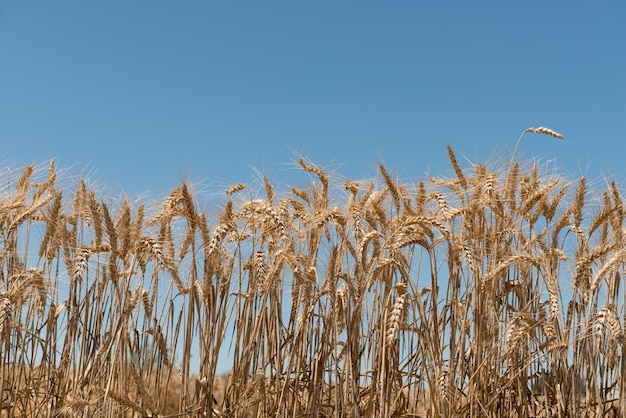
[144, 93]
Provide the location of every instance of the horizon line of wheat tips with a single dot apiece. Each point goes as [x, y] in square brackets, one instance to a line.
[539, 130]
[369, 288]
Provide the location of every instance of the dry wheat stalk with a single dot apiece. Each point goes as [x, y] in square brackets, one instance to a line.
[392, 186]
[396, 317]
[6, 309]
[456, 167]
[446, 212]
[616, 260]
[341, 309]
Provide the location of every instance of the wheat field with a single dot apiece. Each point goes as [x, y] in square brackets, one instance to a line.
[495, 291]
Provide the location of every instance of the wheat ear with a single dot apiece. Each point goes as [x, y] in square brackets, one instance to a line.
[540, 130]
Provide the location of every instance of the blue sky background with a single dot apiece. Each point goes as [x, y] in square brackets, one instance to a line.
[142, 94]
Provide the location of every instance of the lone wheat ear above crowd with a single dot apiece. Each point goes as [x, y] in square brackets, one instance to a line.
[494, 292]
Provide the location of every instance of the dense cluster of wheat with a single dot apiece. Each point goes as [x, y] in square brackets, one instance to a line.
[495, 292]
